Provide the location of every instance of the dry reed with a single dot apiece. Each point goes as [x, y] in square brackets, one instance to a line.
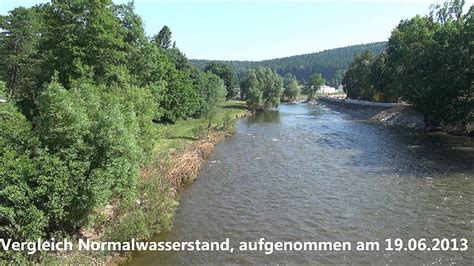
[185, 167]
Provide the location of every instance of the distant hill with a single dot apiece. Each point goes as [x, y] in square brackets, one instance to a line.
[331, 63]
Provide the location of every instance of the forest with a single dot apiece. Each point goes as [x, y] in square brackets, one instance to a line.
[81, 89]
[330, 63]
[428, 62]
[82, 92]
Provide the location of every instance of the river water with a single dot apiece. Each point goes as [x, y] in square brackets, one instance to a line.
[305, 173]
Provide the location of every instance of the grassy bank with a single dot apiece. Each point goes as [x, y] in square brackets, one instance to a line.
[179, 150]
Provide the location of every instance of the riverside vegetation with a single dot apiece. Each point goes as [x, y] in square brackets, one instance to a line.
[100, 125]
[428, 62]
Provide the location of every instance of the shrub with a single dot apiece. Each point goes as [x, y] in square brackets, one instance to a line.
[86, 148]
[33, 183]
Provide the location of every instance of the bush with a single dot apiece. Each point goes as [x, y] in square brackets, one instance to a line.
[33, 183]
[86, 148]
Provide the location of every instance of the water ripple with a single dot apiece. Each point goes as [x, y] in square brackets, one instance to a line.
[311, 174]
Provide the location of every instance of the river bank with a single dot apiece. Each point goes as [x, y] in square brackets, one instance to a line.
[180, 149]
[391, 114]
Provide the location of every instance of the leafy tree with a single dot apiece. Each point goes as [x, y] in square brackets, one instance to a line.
[272, 87]
[163, 38]
[181, 99]
[179, 60]
[251, 91]
[357, 80]
[262, 88]
[84, 38]
[408, 53]
[213, 93]
[448, 92]
[314, 84]
[225, 72]
[249, 81]
[145, 62]
[448, 11]
[254, 99]
[427, 63]
[162, 41]
[379, 78]
[291, 91]
[177, 85]
[131, 22]
[18, 46]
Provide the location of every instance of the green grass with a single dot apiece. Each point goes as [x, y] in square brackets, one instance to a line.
[173, 137]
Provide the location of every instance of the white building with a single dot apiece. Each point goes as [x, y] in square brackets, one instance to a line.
[327, 89]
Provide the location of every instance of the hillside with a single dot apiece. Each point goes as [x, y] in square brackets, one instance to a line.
[331, 63]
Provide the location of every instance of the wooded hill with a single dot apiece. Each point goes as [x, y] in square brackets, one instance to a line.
[330, 63]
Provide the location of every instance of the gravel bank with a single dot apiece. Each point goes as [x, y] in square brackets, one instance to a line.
[401, 115]
[391, 114]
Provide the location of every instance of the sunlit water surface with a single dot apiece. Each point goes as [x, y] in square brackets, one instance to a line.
[305, 173]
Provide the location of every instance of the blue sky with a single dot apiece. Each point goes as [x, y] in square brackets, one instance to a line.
[255, 30]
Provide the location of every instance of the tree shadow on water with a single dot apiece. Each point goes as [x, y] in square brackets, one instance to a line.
[270, 116]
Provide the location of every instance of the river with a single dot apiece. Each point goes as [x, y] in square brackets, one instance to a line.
[306, 173]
